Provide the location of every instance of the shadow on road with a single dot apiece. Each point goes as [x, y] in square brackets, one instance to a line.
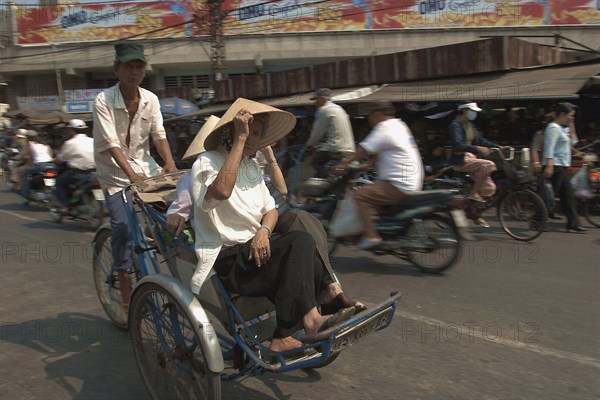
[91, 359]
[391, 266]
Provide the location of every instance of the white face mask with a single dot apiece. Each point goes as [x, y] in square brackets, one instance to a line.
[471, 115]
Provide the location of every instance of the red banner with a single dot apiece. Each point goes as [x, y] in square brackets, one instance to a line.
[104, 22]
[168, 19]
[263, 17]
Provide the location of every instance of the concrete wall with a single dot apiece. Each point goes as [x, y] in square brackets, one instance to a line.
[249, 54]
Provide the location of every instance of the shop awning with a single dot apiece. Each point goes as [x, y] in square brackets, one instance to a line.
[297, 100]
[562, 82]
[44, 117]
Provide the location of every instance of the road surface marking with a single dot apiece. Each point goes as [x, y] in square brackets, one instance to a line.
[590, 361]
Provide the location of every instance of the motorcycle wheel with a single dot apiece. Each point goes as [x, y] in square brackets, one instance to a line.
[55, 216]
[434, 243]
[96, 217]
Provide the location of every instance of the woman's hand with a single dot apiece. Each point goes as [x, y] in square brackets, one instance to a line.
[549, 171]
[175, 222]
[241, 123]
[260, 248]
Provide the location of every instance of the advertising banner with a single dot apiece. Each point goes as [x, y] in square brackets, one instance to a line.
[105, 21]
[170, 19]
[260, 17]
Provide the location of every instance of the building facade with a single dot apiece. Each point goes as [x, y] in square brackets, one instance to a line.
[53, 55]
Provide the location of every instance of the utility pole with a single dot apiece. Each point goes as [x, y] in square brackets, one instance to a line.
[216, 40]
[59, 85]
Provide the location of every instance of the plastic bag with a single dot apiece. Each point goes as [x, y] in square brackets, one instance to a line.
[581, 184]
[345, 220]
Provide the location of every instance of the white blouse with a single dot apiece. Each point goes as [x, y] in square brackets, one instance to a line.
[228, 222]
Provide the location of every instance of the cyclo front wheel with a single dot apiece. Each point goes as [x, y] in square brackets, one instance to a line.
[522, 214]
[167, 348]
[434, 243]
[107, 290]
[591, 210]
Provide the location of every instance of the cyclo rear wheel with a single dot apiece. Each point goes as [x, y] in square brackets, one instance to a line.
[434, 243]
[167, 348]
[522, 214]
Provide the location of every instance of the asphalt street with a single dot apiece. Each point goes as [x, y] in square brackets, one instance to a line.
[510, 321]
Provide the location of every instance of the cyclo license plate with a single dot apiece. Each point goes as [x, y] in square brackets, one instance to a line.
[362, 329]
[50, 181]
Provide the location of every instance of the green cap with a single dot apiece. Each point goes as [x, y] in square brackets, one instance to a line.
[126, 52]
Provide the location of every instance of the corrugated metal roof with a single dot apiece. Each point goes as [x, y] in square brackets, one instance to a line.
[537, 83]
[297, 100]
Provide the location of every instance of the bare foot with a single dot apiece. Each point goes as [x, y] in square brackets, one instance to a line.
[313, 321]
[284, 344]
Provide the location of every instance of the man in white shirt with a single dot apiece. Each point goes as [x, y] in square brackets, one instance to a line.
[78, 153]
[126, 116]
[41, 157]
[399, 167]
[331, 124]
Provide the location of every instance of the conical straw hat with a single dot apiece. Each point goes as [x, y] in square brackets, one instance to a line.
[280, 123]
[197, 145]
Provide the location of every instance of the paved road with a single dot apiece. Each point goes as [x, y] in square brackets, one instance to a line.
[510, 321]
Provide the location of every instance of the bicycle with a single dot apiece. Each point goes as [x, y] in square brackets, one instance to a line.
[520, 210]
[185, 345]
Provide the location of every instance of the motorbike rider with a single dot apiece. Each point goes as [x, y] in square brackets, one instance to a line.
[399, 167]
[22, 158]
[78, 153]
[333, 124]
[41, 155]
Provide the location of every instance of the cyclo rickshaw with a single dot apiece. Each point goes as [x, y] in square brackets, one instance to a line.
[186, 344]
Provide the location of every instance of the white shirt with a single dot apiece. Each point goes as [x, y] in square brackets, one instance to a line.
[398, 160]
[332, 121]
[40, 152]
[78, 152]
[111, 122]
[229, 222]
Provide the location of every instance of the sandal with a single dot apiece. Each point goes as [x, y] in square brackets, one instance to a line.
[339, 302]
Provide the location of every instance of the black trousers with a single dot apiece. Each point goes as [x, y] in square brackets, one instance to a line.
[292, 279]
[562, 187]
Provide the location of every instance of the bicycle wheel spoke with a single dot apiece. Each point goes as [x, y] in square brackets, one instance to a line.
[167, 348]
[522, 215]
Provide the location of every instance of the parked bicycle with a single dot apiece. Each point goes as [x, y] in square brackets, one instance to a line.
[520, 210]
[186, 345]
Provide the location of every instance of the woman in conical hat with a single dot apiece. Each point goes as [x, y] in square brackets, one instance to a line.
[234, 219]
[181, 211]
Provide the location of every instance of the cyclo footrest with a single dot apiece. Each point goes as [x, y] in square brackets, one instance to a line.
[361, 325]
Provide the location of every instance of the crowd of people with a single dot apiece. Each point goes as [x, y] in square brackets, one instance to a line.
[260, 247]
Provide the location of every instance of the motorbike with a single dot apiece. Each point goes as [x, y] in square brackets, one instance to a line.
[425, 228]
[41, 186]
[87, 203]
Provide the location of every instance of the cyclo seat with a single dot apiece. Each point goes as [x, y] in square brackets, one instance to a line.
[417, 199]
